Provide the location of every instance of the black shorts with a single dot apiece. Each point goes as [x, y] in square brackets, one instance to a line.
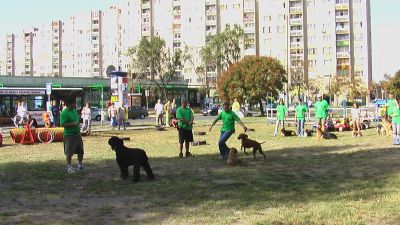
[185, 135]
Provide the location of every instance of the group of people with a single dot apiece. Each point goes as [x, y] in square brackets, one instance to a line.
[165, 113]
[118, 116]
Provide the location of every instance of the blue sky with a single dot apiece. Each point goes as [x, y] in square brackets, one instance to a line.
[15, 15]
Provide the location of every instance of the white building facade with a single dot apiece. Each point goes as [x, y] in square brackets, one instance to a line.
[331, 37]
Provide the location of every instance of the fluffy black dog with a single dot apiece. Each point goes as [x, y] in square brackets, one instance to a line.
[130, 156]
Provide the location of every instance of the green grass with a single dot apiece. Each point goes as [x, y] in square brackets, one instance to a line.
[304, 181]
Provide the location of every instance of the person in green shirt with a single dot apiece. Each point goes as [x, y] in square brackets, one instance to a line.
[228, 118]
[185, 125]
[390, 105]
[73, 144]
[301, 110]
[321, 108]
[281, 111]
[395, 114]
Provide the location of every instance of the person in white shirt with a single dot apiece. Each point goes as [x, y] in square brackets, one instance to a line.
[356, 116]
[159, 110]
[21, 113]
[86, 117]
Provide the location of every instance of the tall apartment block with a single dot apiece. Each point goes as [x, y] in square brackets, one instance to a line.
[329, 37]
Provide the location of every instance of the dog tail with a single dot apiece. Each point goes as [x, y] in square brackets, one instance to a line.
[263, 142]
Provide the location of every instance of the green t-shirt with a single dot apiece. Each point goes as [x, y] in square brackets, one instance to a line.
[300, 110]
[228, 120]
[395, 115]
[281, 112]
[68, 116]
[185, 113]
[391, 106]
[321, 109]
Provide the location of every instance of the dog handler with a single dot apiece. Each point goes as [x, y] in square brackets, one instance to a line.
[185, 125]
[228, 118]
[301, 110]
[321, 107]
[395, 113]
[72, 137]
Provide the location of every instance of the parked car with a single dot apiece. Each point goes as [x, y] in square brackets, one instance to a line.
[95, 113]
[137, 112]
[211, 110]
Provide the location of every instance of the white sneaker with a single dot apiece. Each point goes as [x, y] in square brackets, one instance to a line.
[80, 167]
[71, 170]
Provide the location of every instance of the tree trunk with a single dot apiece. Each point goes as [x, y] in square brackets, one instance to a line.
[261, 107]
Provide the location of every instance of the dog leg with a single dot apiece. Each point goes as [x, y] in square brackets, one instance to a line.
[262, 153]
[146, 167]
[124, 171]
[254, 152]
[244, 150]
[136, 173]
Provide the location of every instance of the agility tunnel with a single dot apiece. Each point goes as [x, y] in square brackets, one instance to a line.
[36, 135]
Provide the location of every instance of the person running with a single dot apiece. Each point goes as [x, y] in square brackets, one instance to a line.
[396, 122]
[281, 111]
[73, 144]
[185, 125]
[300, 114]
[321, 108]
[228, 118]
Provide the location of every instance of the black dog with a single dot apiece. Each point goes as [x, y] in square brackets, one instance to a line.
[130, 156]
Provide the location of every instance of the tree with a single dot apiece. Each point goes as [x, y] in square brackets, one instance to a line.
[251, 79]
[222, 49]
[152, 60]
[297, 79]
[393, 83]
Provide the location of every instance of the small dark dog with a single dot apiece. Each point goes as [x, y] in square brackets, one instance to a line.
[130, 156]
[308, 132]
[325, 135]
[248, 143]
[287, 133]
[233, 157]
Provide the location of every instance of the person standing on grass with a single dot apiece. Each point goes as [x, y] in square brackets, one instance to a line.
[300, 114]
[396, 122]
[113, 114]
[185, 125]
[228, 118]
[159, 110]
[321, 108]
[55, 111]
[73, 144]
[121, 117]
[167, 110]
[86, 118]
[356, 117]
[235, 106]
[281, 111]
[390, 105]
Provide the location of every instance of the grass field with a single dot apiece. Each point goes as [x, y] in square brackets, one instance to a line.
[303, 181]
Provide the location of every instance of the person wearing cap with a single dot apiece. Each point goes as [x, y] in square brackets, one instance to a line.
[228, 118]
[281, 111]
[185, 125]
[321, 108]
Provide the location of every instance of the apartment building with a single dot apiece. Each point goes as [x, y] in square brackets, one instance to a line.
[329, 37]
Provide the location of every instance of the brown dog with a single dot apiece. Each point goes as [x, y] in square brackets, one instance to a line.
[248, 143]
[287, 133]
[386, 127]
[233, 157]
[325, 135]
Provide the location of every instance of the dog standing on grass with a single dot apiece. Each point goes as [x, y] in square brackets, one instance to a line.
[248, 143]
[130, 156]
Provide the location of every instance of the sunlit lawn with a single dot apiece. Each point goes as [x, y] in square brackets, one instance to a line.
[304, 181]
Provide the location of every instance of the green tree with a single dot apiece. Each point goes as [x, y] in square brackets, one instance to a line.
[222, 49]
[393, 83]
[251, 79]
[152, 60]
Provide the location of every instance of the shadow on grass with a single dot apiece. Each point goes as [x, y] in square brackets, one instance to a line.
[203, 184]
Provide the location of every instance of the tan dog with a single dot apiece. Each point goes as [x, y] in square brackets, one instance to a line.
[287, 133]
[233, 157]
[325, 135]
[248, 143]
[386, 127]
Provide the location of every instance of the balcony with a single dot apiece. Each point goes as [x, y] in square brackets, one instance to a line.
[251, 50]
[249, 30]
[211, 12]
[146, 33]
[211, 31]
[296, 33]
[342, 6]
[296, 10]
[296, 45]
[297, 21]
[176, 3]
[211, 22]
[342, 18]
[211, 2]
[146, 5]
[343, 43]
[342, 30]
[146, 15]
[342, 55]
